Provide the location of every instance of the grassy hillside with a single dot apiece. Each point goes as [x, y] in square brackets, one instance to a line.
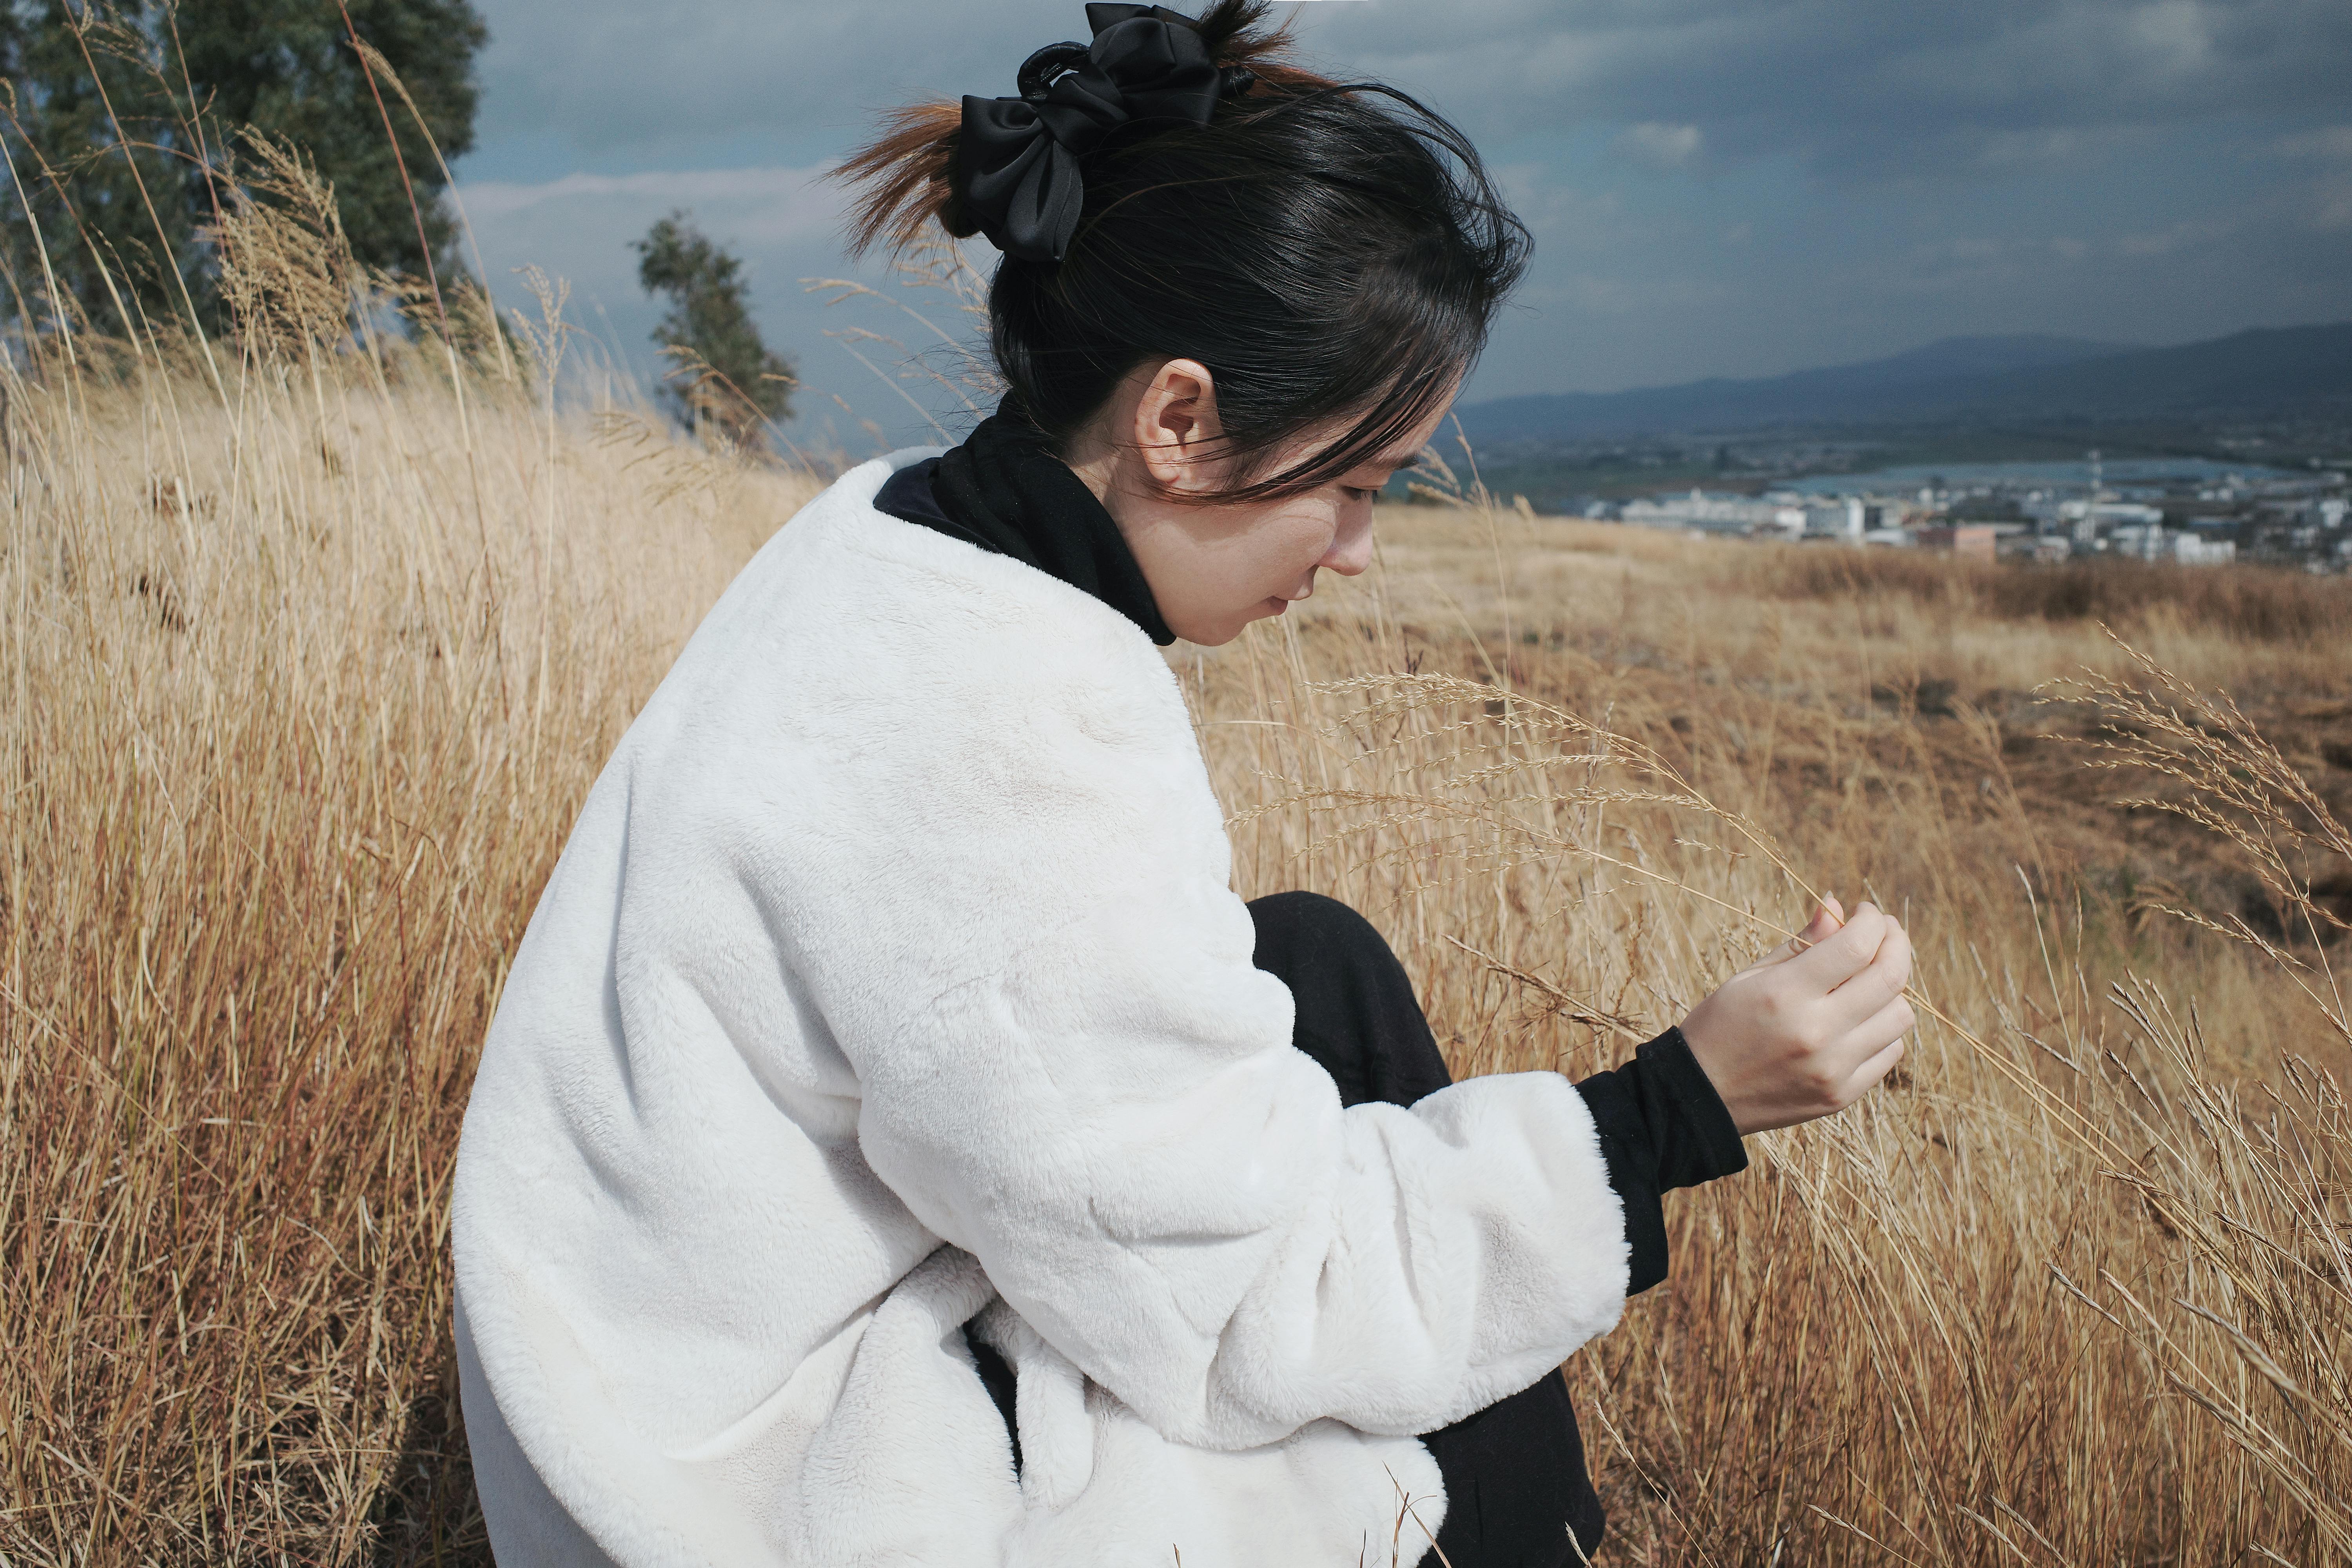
[2006, 1307]
[313, 646]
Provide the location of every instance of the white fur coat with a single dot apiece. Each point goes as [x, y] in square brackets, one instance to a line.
[891, 978]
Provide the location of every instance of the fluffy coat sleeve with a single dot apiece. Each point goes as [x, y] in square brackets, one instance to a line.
[1016, 921]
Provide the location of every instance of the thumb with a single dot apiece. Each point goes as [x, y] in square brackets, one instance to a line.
[1825, 923]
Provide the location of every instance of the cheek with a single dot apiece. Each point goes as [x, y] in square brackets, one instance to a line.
[1294, 541]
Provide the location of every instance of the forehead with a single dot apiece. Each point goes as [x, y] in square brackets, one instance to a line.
[1406, 451]
[1401, 453]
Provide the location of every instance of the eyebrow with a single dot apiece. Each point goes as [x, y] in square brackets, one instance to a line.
[1396, 465]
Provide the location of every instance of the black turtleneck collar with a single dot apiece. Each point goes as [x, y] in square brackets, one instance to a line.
[1004, 491]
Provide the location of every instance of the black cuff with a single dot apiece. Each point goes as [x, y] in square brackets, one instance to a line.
[1662, 1126]
[1696, 1139]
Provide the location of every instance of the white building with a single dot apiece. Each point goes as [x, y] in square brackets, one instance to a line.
[2150, 543]
[1714, 513]
[1843, 518]
[2073, 514]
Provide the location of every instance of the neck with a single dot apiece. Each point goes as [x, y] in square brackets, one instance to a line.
[1104, 469]
[1098, 463]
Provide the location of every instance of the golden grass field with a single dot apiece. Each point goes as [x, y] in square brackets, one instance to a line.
[313, 646]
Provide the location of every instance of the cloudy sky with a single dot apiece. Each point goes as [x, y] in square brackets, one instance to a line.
[1716, 187]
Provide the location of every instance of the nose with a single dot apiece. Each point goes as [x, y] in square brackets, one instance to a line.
[1351, 546]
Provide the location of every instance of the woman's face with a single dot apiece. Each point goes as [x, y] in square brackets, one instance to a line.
[1215, 569]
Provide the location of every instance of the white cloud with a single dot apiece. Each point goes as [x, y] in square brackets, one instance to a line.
[2174, 39]
[1656, 145]
[1561, 214]
[2047, 146]
[621, 75]
[580, 225]
[1600, 294]
[2330, 143]
[2174, 237]
[770, 206]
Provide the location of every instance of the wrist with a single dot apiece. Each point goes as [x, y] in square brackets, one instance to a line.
[1708, 1061]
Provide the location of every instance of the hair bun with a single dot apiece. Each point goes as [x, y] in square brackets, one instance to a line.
[1039, 70]
[1101, 13]
[914, 172]
[1016, 172]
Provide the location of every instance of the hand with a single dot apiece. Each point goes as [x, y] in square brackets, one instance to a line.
[1808, 1028]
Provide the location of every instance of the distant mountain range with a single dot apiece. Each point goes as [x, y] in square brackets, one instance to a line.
[2261, 372]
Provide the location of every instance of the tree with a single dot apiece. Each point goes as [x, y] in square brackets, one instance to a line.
[287, 68]
[726, 374]
[109, 209]
[153, 94]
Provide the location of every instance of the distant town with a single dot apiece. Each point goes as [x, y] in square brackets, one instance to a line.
[2227, 450]
[2195, 515]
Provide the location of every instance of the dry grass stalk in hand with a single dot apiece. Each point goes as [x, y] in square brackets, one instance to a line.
[1465, 784]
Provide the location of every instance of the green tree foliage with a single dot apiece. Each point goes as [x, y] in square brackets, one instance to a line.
[725, 374]
[109, 98]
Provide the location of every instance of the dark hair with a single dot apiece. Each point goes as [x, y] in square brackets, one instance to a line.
[1326, 249]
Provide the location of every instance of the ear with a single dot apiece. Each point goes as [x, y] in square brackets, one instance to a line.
[1176, 430]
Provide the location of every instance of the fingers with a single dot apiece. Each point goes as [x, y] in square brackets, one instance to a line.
[1880, 1063]
[1882, 1028]
[1867, 1055]
[1846, 952]
[1879, 983]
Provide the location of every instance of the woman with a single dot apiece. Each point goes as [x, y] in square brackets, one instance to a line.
[896, 1142]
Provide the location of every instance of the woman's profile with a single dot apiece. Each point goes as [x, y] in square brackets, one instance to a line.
[896, 1142]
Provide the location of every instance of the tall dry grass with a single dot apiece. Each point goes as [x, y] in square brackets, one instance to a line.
[309, 665]
[306, 672]
[2076, 1286]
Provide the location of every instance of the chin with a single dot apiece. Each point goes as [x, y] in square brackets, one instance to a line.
[1218, 633]
[1207, 638]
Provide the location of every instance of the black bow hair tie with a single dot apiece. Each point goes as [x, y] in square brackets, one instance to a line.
[1016, 167]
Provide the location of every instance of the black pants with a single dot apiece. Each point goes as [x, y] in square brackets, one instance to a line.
[1516, 1485]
